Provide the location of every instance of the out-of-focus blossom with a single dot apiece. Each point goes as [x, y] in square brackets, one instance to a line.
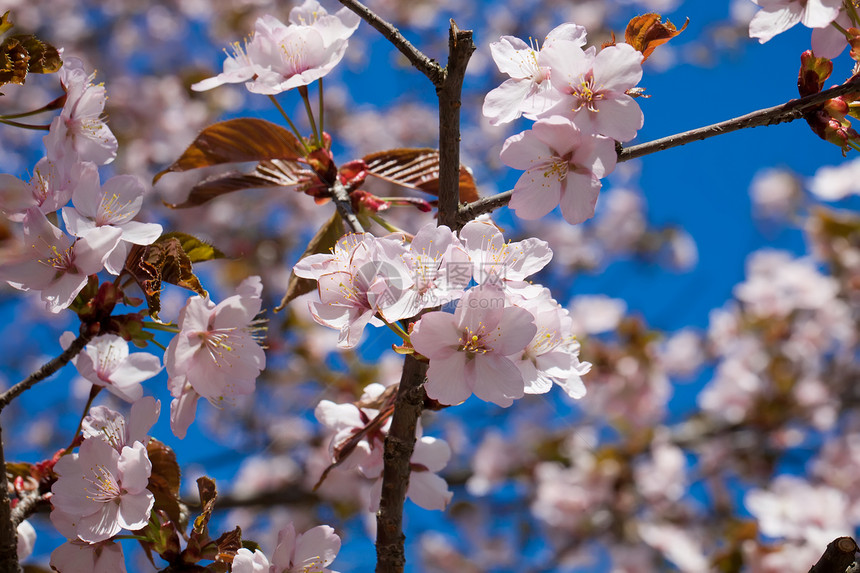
[777, 16]
[55, 264]
[663, 476]
[81, 122]
[793, 508]
[593, 86]
[106, 362]
[775, 193]
[26, 540]
[215, 354]
[679, 545]
[838, 182]
[527, 91]
[101, 491]
[113, 204]
[562, 166]
[426, 488]
[778, 284]
[682, 354]
[81, 557]
[363, 275]
[469, 350]
[593, 314]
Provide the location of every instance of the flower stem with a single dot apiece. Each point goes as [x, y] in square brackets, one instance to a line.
[322, 112]
[94, 391]
[25, 125]
[842, 30]
[290, 122]
[395, 326]
[55, 104]
[385, 224]
[303, 90]
[163, 327]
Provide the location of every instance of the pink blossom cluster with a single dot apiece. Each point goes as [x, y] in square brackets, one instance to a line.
[579, 100]
[102, 489]
[827, 18]
[309, 552]
[507, 337]
[99, 227]
[280, 57]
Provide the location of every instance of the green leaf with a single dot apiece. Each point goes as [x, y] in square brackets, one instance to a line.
[197, 250]
[274, 173]
[237, 140]
[322, 242]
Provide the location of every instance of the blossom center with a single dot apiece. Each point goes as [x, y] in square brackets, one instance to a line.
[586, 93]
[104, 487]
[113, 211]
[557, 168]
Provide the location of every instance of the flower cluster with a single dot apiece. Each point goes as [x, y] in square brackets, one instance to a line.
[102, 489]
[280, 57]
[579, 100]
[99, 227]
[308, 552]
[507, 337]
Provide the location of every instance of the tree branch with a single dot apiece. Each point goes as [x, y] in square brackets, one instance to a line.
[789, 111]
[47, 369]
[460, 48]
[838, 556]
[425, 65]
[8, 529]
[340, 196]
[399, 444]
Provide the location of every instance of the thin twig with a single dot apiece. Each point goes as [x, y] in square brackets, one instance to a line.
[790, 111]
[27, 506]
[425, 65]
[340, 196]
[47, 369]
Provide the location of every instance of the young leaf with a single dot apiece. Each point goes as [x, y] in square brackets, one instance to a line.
[197, 250]
[417, 168]
[163, 261]
[237, 140]
[273, 173]
[322, 242]
[208, 495]
[647, 31]
[165, 479]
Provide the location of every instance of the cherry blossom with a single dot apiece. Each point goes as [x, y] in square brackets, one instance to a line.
[552, 356]
[112, 427]
[426, 488]
[334, 27]
[440, 269]
[215, 354]
[81, 557]
[469, 350]
[777, 16]
[106, 362]
[314, 550]
[54, 263]
[363, 275]
[594, 82]
[50, 188]
[528, 89]
[81, 123]
[503, 264]
[247, 562]
[562, 166]
[101, 491]
[113, 204]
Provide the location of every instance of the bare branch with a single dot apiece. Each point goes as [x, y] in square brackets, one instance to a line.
[399, 445]
[425, 65]
[790, 111]
[460, 47]
[838, 556]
